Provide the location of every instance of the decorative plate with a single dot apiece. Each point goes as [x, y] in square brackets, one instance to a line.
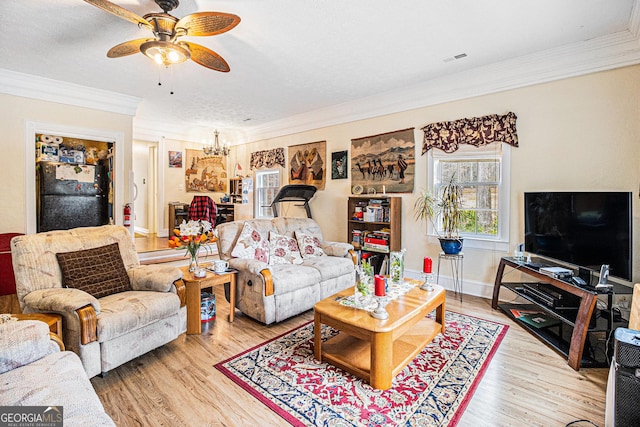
[357, 189]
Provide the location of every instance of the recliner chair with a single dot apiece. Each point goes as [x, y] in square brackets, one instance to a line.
[110, 330]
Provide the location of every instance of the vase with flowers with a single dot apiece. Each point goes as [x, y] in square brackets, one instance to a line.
[192, 235]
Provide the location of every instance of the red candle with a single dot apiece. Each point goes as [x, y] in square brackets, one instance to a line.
[426, 266]
[378, 281]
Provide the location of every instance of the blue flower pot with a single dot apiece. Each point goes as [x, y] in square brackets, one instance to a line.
[451, 246]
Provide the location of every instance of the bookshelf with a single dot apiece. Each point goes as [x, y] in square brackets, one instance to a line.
[235, 190]
[374, 223]
[178, 212]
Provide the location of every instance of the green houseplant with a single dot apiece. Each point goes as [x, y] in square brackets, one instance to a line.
[446, 205]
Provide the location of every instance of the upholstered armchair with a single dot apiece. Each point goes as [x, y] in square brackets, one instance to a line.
[113, 308]
[34, 372]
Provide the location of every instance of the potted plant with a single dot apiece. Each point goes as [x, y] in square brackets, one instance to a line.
[447, 205]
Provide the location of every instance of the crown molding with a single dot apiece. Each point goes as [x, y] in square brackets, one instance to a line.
[29, 86]
[575, 59]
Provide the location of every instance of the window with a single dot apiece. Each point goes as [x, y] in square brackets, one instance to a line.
[267, 186]
[483, 174]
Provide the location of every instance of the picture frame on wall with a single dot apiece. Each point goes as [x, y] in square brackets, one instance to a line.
[308, 164]
[205, 174]
[175, 159]
[383, 163]
[339, 167]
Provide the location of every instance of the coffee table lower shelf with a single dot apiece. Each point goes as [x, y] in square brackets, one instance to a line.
[354, 355]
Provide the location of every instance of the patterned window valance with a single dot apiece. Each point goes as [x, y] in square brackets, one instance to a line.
[476, 131]
[267, 158]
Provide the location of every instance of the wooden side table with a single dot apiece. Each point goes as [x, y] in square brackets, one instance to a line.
[195, 285]
[53, 320]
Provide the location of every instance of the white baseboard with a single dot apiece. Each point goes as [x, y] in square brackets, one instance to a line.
[469, 287]
[141, 230]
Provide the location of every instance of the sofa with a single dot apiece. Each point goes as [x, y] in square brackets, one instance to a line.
[35, 372]
[271, 292]
[113, 309]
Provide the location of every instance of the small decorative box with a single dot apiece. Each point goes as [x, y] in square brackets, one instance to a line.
[49, 152]
[66, 155]
[78, 157]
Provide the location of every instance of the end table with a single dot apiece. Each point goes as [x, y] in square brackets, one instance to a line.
[53, 320]
[195, 285]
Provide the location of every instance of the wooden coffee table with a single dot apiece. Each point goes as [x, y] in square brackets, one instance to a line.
[377, 350]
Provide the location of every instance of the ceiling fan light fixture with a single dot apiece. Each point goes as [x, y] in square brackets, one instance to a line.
[165, 53]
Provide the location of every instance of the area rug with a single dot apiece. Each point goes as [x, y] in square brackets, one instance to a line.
[433, 390]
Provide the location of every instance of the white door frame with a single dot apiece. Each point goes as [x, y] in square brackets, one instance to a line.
[33, 128]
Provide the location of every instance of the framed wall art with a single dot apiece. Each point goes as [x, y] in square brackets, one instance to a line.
[205, 174]
[339, 164]
[307, 164]
[384, 162]
[175, 159]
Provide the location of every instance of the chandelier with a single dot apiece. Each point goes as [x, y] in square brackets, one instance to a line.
[215, 149]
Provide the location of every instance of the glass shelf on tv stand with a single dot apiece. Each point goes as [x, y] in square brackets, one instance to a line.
[577, 326]
[537, 262]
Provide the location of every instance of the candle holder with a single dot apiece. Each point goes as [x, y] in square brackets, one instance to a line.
[426, 286]
[380, 312]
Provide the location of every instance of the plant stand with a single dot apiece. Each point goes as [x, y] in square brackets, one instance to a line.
[456, 262]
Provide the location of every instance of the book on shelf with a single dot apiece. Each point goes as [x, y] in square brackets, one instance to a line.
[518, 312]
[539, 320]
[375, 248]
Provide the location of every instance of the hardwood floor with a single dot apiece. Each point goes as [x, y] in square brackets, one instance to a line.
[526, 383]
[151, 243]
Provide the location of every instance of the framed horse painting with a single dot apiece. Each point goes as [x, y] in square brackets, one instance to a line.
[383, 163]
[308, 164]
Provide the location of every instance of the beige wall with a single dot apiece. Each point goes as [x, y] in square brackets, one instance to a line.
[174, 178]
[575, 134]
[15, 112]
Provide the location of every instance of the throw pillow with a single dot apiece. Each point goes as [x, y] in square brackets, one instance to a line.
[283, 250]
[251, 245]
[309, 245]
[98, 271]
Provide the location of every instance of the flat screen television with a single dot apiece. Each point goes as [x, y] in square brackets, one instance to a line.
[585, 229]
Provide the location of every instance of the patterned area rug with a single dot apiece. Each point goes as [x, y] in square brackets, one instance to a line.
[433, 390]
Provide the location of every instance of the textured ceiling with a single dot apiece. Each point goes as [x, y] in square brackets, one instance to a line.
[289, 57]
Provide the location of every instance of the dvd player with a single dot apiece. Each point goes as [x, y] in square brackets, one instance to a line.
[543, 293]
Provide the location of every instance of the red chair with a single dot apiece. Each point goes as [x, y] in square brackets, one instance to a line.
[7, 280]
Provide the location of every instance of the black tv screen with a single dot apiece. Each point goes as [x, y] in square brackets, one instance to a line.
[585, 229]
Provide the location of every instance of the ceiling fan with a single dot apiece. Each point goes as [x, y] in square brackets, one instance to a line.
[164, 47]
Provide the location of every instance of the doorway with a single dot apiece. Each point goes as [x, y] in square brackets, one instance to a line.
[145, 168]
[35, 128]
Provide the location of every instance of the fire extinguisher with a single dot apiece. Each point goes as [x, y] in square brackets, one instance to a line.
[127, 215]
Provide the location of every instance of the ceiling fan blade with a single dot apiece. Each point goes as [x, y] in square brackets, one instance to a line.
[207, 58]
[208, 23]
[126, 48]
[119, 11]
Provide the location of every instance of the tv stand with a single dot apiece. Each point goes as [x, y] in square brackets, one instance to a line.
[578, 318]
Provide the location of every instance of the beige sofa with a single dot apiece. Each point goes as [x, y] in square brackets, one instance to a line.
[272, 293]
[110, 330]
[34, 372]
